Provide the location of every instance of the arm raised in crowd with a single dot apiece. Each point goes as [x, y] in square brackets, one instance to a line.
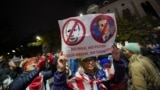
[21, 82]
[31, 71]
[60, 81]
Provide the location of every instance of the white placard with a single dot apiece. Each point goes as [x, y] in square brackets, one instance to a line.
[88, 35]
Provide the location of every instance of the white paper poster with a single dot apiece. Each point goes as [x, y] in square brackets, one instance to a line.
[88, 35]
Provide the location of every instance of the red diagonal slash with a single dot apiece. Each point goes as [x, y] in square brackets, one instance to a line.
[72, 30]
[103, 30]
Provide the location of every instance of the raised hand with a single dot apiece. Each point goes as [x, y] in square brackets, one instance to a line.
[61, 63]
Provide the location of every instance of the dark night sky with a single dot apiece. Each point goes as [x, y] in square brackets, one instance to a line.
[21, 19]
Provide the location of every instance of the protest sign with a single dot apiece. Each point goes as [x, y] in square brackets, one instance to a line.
[88, 35]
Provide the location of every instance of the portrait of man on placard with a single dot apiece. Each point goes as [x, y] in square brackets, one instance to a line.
[103, 29]
[72, 34]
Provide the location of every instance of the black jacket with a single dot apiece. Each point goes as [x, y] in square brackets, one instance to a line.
[23, 80]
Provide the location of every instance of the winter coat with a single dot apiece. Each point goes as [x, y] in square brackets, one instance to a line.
[25, 79]
[60, 81]
[4, 71]
[5, 75]
[143, 73]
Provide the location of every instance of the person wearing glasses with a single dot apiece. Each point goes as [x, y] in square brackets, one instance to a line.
[89, 76]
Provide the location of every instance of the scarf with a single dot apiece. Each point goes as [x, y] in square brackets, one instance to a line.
[81, 81]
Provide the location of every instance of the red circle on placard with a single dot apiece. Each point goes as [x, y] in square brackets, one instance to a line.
[110, 20]
[81, 38]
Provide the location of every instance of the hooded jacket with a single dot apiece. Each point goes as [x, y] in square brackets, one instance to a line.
[143, 73]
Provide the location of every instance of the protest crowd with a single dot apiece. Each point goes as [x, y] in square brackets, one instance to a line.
[133, 66]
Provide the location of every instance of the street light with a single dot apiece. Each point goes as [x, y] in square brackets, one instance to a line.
[38, 38]
[38, 42]
[8, 53]
[13, 51]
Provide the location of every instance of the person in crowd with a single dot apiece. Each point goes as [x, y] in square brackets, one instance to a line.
[89, 76]
[14, 65]
[144, 74]
[33, 77]
[5, 73]
[107, 63]
[149, 52]
[119, 79]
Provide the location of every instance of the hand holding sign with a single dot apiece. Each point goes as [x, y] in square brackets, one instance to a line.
[61, 62]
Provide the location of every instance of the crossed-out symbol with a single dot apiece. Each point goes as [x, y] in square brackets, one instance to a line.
[73, 32]
[102, 28]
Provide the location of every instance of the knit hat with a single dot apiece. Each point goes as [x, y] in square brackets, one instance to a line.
[133, 47]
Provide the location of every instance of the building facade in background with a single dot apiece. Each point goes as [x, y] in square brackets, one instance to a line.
[121, 8]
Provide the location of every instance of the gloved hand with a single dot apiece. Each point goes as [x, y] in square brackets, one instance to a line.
[50, 58]
[41, 62]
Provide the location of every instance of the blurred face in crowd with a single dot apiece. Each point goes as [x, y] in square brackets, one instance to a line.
[13, 65]
[115, 53]
[89, 65]
[127, 53]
